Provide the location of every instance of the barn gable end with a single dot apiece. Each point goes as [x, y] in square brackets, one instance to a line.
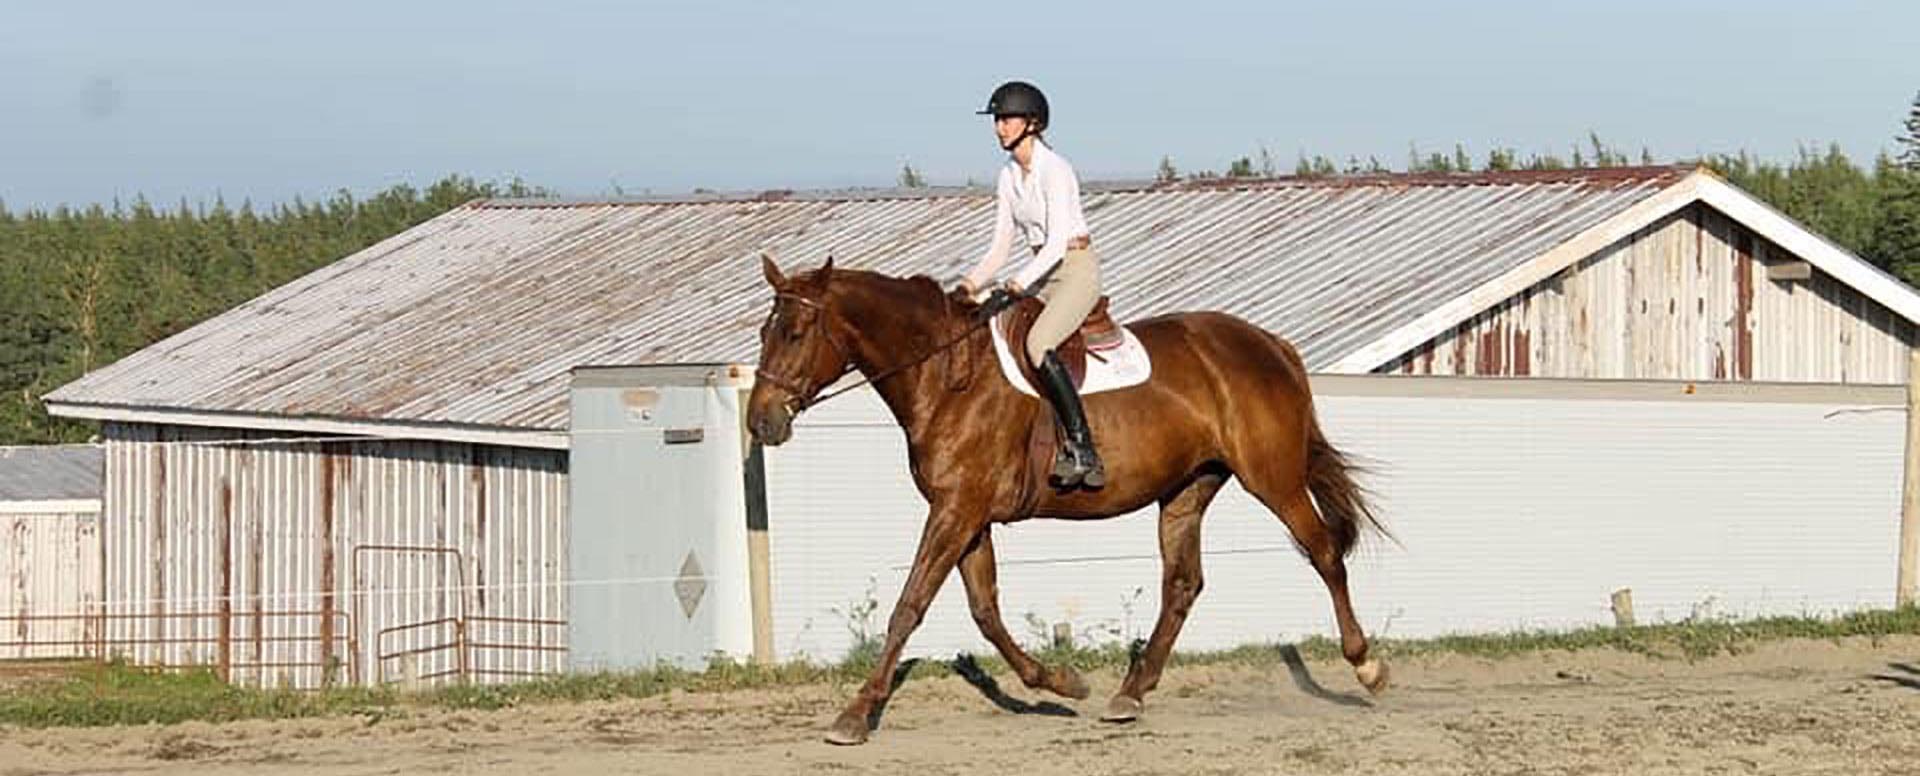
[1694, 296]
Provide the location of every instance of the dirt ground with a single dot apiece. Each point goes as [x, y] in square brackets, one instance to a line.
[1789, 707]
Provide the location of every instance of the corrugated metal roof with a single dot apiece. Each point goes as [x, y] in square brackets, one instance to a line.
[475, 317]
[50, 473]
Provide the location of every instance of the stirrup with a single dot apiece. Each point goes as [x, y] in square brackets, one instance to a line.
[1078, 464]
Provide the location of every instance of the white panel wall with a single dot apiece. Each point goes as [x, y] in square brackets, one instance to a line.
[50, 567]
[1513, 510]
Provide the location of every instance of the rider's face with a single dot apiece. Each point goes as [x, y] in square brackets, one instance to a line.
[1009, 129]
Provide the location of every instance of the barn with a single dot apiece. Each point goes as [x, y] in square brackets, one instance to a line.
[466, 451]
[49, 550]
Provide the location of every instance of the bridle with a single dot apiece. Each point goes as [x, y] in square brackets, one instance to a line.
[797, 390]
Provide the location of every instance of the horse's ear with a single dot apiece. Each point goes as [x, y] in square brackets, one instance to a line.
[772, 271]
[828, 267]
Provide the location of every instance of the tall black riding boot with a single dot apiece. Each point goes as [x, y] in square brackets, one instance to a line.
[1078, 463]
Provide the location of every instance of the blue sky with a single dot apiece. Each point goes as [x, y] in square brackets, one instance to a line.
[266, 101]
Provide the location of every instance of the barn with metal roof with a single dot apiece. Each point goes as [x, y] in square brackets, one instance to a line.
[406, 409]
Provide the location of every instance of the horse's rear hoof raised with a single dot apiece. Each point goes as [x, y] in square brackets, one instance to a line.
[1123, 709]
[1067, 683]
[848, 731]
[1372, 675]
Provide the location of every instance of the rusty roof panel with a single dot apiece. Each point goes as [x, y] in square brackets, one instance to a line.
[475, 317]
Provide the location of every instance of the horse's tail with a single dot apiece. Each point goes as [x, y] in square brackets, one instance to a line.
[1344, 506]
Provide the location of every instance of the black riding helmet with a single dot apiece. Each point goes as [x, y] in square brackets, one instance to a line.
[1019, 98]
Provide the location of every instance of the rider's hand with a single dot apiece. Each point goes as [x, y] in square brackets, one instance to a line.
[1012, 286]
[997, 301]
[967, 287]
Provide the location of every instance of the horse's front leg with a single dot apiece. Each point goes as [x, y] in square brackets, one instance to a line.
[983, 597]
[948, 533]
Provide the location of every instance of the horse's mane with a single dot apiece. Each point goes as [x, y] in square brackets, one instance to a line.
[921, 288]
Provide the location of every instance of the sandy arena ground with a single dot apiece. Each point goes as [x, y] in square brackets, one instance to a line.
[1789, 707]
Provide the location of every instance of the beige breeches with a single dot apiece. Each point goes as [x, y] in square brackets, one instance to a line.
[1070, 293]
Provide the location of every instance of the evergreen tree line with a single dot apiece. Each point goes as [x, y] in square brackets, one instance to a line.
[82, 287]
[1872, 210]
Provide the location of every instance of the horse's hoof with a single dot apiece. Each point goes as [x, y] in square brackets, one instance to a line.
[1122, 709]
[848, 730]
[1067, 683]
[1372, 675]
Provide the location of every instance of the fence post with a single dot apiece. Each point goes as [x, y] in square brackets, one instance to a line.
[1910, 491]
[1623, 608]
[460, 652]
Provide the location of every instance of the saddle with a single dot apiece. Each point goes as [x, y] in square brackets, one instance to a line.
[1096, 334]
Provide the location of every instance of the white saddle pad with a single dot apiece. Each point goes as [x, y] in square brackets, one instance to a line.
[1120, 366]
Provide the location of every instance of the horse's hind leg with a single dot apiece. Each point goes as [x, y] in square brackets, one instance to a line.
[983, 597]
[1295, 508]
[1180, 583]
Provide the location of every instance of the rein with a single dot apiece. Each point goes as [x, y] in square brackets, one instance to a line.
[985, 315]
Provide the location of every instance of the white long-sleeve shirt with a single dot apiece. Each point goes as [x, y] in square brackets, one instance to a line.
[1042, 208]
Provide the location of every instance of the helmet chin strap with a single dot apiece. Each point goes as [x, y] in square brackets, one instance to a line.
[1024, 134]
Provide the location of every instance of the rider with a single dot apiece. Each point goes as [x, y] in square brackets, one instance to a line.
[1038, 200]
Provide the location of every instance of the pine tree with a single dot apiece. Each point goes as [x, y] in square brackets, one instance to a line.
[1896, 229]
[1910, 142]
[910, 178]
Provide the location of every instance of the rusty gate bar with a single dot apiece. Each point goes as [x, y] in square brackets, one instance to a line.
[463, 645]
[539, 645]
[381, 657]
[462, 642]
[362, 595]
[96, 648]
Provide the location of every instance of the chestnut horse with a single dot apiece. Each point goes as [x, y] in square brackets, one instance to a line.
[1226, 399]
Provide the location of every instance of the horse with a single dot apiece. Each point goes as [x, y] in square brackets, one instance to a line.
[1226, 399]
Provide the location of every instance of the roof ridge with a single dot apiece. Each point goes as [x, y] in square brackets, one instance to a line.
[1635, 173]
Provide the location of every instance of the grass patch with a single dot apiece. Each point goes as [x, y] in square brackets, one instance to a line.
[116, 694]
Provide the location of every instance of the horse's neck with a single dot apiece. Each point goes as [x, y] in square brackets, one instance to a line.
[897, 328]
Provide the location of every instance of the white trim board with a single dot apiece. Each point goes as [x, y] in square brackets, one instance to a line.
[1809, 246]
[69, 506]
[549, 440]
[1700, 186]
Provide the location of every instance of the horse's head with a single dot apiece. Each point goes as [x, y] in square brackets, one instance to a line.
[800, 351]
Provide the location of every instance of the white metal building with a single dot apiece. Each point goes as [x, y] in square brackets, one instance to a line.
[440, 361]
[49, 550]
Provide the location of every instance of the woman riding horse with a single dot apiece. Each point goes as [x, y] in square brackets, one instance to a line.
[1039, 195]
[1227, 400]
